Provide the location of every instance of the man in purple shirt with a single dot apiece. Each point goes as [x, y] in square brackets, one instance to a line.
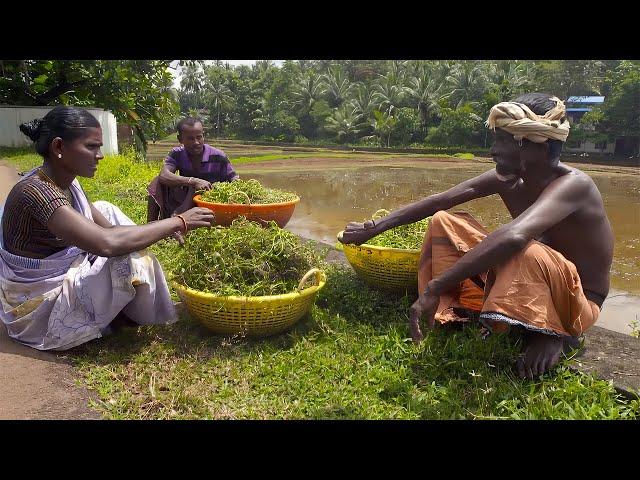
[197, 164]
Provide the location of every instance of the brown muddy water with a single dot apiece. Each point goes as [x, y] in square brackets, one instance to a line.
[332, 198]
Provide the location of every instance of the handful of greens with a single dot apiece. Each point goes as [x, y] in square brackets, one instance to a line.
[406, 237]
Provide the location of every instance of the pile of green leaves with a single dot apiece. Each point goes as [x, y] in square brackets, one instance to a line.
[244, 259]
[245, 191]
[407, 237]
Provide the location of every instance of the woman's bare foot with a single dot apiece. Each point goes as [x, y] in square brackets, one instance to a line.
[540, 352]
[122, 320]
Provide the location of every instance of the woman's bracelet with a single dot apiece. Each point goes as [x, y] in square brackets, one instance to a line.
[184, 222]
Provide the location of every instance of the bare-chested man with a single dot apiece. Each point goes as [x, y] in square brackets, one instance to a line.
[546, 271]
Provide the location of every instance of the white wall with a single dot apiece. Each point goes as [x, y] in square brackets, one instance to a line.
[11, 118]
[590, 147]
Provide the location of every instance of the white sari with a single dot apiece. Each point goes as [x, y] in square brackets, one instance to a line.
[68, 298]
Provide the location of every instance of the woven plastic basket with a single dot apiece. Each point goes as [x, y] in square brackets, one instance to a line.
[252, 316]
[258, 212]
[388, 268]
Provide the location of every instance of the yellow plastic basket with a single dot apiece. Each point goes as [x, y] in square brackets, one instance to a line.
[252, 316]
[393, 269]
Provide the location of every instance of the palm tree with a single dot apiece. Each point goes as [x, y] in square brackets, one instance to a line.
[220, 98]
[425, 93]
[307, 91]
[262, 66]
[466, 82]
[363, 100]
[345, 123]
[389, 92]
[441, 69]
[191, 81]
[337, 86]
[305, 65]
[323, 65]
[510, 78]
[398, 69]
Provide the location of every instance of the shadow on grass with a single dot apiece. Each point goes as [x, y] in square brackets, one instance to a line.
[185, 338]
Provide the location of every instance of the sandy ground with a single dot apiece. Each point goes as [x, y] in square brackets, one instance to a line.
[39, 385]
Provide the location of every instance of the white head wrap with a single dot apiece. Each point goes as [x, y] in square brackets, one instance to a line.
[521, 122]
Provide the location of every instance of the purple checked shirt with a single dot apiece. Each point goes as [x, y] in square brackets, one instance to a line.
[215, 166]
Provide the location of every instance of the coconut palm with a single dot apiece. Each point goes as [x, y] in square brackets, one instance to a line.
[397, 70]
[305, 65]
[389, 91]
[466, 82]
[425, 93]
[362, 100]
[191, 81]
[322, 66]
[308, 89]
[262, 66]
[220, 98]
[510, 78]
[345, 123]
[337, 86]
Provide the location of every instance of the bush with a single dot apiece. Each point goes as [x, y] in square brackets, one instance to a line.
[407, 127]
[460, 126]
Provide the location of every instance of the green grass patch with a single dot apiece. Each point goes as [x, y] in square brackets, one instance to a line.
[465, 156]
[351, 358]
[172, 137]
[23, 159]
[266, 158]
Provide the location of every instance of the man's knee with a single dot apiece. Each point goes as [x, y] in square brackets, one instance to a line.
[440, 216]
[533, 250]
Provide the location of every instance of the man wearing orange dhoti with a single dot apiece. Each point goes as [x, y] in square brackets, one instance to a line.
[546, 271]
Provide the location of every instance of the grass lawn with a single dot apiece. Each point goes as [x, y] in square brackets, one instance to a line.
[350, 359]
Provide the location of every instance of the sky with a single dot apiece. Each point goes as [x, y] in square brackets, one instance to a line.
[176, 72]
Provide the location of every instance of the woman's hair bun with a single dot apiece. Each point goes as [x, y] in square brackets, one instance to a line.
[32, 129]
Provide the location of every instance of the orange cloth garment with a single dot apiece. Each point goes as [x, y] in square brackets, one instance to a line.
[448, 238]
[537, 288]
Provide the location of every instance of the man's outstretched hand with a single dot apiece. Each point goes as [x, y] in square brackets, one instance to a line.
[424, 307]
[358, 233]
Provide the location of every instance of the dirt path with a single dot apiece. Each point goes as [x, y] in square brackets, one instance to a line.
[39, 385]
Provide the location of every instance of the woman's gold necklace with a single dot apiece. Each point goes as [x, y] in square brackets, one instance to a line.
[67, 192]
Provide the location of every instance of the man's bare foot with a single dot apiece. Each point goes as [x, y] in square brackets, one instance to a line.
[540, 352]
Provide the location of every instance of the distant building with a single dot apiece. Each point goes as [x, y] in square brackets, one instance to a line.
[576, 108]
